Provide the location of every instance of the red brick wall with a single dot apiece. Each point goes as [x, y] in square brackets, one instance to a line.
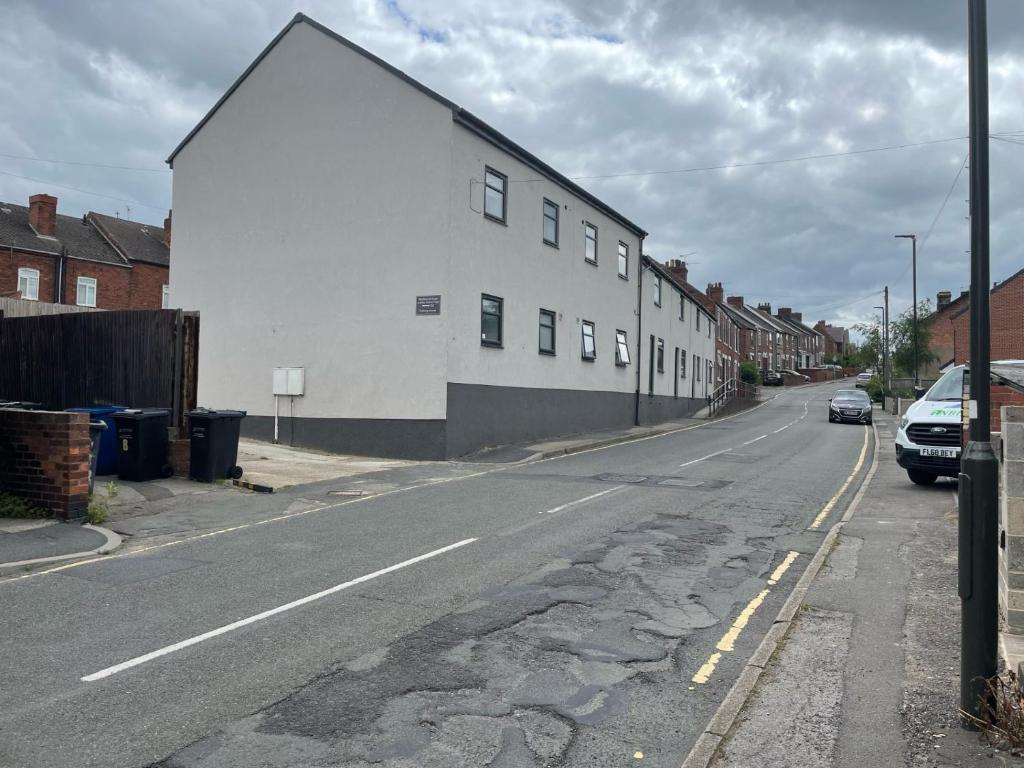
[44, 457]
[117, 287]
[11, 262]
[113, 283]
[147, 281]
[941, 340]
[1007, 324]
[1002, 396]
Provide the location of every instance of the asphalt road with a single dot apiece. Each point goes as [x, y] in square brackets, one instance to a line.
[590, 610]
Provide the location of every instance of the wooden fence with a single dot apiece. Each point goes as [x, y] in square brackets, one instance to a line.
[11, 307]
[133, 358]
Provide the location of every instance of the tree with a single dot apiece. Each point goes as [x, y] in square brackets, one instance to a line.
[869, 353]
[901, 340]
[749, 372]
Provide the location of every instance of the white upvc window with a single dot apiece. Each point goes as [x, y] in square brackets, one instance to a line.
[28, 283]
[86, 292]
[165, 297]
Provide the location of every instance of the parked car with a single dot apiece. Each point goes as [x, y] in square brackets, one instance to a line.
[862, 380]
[795, 374]
[772, 379]
[851, 406]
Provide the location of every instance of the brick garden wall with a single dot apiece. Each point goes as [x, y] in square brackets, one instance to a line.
[44, 457]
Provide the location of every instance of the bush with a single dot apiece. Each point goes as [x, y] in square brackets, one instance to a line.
[749, 372]
[875, 389]
[15, 506]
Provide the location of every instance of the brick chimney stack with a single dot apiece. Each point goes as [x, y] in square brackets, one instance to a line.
[42, 214]
[678, 268]
[942, 299]
[735, 301]
[785, 312]
[765, 307]
[716, 292]
[167, 229]
[798, 316]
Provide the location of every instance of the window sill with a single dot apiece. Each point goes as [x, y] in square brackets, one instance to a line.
[492, 344]
[549, 244]
[591, 262]
[496, 220]
[623, 277]
[589, 359]
[621, 365]
[549, 353]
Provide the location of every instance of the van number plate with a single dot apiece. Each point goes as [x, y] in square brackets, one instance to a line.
[943, 453]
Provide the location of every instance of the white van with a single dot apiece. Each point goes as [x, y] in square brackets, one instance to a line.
[930, 433]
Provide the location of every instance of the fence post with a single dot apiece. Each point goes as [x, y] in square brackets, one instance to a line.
[179, 342]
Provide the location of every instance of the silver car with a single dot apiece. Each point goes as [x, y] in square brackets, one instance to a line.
[862, 380]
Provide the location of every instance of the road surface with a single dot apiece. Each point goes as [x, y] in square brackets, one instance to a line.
[589, 610]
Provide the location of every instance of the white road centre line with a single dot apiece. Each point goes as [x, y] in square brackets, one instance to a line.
[749, 442]
[705, 458]
[780, 429]
[266, 614]
[580, 501]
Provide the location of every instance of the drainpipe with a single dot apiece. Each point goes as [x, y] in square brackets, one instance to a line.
[58, 287]
[639, 327]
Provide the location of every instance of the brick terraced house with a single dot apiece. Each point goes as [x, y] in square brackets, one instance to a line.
[93, 261]
[1006, 309]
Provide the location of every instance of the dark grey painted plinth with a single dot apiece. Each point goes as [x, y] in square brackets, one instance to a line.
[655, 409]
[480, 416]
[387, 438]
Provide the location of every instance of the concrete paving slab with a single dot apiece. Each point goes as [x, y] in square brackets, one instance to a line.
[279, 466]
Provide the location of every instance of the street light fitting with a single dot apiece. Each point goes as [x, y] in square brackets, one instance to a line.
[910, 237]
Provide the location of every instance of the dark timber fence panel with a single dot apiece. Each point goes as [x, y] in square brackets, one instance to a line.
[122, 358]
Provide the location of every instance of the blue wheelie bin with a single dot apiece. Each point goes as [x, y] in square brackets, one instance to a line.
[106, 459]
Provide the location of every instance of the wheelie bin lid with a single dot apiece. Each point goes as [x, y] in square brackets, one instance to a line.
[96, 410]
[98, 426]
[141, 413]
[210, 413]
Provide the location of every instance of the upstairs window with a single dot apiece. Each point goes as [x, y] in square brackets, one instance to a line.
[621, 348]
[698, 321]
[28, 283]
[590, 242]
[494, 195]
[623, 260]
[682, 307]
[86, 292]
[550, 223]
[661, 355]
[589, 348]
[657, 291]
[546, 343]
[491, 320]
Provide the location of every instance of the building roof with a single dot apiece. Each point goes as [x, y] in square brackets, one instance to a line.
[80, 238]
[736, 315]
[797, 326]
[134, 241]
[684, 287]
[775, 322]
[459, 115]
[754, 317]
[837, 333]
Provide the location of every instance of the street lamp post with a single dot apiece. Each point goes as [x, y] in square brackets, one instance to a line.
[978, 551]
[884, 338]
[913, 240]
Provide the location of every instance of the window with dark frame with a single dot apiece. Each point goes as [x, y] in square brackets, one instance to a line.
[550, 223]
[589, 351]
[491, 311]
[661, 355]
[696, 365]
[623, 260]
[682, 307]
[590, 242]
[657, 290]
[546, 342]
[621, 348]
[698, 320]
[495, 203]
[682, 364]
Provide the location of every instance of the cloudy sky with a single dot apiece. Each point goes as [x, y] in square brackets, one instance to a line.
[596, 88]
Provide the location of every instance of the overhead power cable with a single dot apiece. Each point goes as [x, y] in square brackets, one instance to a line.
[85, 191]
[85, 165]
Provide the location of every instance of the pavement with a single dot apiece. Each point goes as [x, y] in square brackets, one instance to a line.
[868, 674]
[566, 611]
[27, 539]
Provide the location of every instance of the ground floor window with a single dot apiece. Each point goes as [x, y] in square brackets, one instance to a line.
[491, 312]
[661, 355]
[547, 332]
[621, 348]
[589, 347]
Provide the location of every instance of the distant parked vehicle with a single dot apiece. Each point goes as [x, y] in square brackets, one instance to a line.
[850, 405]
[862, 380]
[772, 379]
[795, 374]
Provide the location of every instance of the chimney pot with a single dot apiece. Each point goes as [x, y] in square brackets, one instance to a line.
[42, 214]
[715, 292]
[942, 299]
[678, 268]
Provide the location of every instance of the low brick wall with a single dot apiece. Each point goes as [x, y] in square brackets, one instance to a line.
[819, 375]
[44, 458]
